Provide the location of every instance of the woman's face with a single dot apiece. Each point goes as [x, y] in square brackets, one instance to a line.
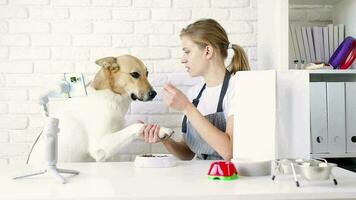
[193, 57]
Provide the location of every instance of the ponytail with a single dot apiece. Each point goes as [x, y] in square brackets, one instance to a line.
[239, 61]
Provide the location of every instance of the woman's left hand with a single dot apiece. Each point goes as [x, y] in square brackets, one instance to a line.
[174, 98]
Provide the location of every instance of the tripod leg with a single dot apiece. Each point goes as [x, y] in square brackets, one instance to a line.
[275, 170]
[68, 171]
[54, 172]
[295, 175]
[34, 173]
[332, 176]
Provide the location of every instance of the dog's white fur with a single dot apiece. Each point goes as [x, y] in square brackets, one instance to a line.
[92, 127]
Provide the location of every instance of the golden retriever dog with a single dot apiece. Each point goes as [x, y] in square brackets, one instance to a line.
[92, 127]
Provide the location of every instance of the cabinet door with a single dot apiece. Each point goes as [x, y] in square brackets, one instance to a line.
[255, 115]
[336, 117]
[318, 118]
[351, 117]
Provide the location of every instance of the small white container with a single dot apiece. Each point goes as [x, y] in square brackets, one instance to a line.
[246, 167]
[155, 160]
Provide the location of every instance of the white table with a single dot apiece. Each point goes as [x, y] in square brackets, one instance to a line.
[188, 180]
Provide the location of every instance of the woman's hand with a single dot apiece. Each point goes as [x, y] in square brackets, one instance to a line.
[174, 98]
[150, 133]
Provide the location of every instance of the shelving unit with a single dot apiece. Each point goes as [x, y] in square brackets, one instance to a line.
[334, 88]
[273, 22]
[273, 53]
[307, 18]
[295, 114]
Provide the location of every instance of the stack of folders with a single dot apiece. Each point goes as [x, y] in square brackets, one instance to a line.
[314, 44]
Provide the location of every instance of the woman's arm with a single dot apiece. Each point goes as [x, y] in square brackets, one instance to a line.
[179, 149]
[221, 143]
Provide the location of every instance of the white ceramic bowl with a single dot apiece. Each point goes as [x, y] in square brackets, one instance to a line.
[155, 160]
[252, 167]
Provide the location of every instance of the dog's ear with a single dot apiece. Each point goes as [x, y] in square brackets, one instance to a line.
[109, 63]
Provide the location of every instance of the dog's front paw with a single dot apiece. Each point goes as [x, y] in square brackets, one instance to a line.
[165, 133]
[136, 129]
[99, 155]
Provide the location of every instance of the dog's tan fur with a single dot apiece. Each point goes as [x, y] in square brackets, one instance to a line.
[118, 79]
[92, 128]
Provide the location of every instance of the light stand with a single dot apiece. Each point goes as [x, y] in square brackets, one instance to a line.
[51, 144]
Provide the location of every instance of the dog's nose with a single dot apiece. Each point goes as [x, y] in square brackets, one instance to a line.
[152, 94]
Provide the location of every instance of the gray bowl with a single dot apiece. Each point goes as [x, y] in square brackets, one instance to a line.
[315, 170]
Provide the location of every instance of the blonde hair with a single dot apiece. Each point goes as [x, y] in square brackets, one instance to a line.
[206, 32]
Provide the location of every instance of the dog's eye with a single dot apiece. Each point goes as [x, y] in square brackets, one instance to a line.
[135, 74]
[146, 73]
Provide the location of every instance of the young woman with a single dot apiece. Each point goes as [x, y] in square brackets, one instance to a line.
[207, 125]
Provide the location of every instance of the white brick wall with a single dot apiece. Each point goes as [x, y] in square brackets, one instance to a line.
[49, 37]
[28, 26]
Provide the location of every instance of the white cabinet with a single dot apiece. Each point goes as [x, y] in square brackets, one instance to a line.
[327, 117]
[333, 113]
[295, 113]
[270, 116]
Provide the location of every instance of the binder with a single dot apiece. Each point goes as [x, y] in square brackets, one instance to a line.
[292, 52]
[336, 117]
[336, 37]
[311, 44]
[298, 31]
[326, 44]
[295, 43]
[331, 39]
[318, 118]
[319, 44]
[306, 46]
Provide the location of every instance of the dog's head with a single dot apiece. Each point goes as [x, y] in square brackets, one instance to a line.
[124, 75]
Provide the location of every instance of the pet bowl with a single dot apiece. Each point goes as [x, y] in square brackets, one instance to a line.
[315, 170]
[155, 160]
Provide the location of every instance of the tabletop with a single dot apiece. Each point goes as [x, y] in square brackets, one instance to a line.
[187, 180]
